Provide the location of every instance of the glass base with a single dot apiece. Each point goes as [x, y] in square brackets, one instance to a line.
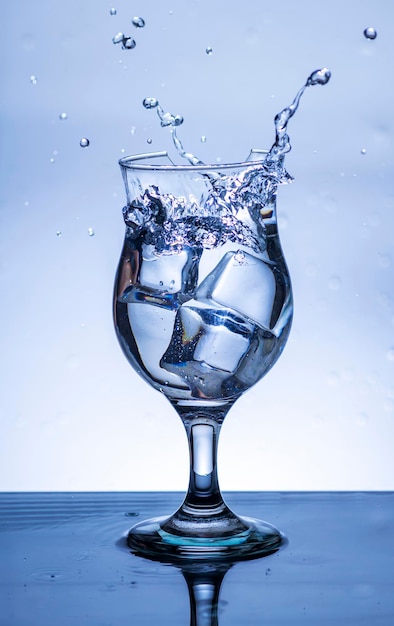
[256, 539]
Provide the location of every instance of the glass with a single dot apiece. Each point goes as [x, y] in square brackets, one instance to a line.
[202, 311]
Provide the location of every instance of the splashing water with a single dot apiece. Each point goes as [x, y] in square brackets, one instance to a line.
[282, 140]
[281, 144]
[167, 119]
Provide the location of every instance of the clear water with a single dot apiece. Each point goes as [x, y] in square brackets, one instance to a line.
[203, 304]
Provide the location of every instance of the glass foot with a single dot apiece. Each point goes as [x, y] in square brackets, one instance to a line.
[152, 539]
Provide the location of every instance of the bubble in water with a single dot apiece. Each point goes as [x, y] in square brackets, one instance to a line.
[33, 79]
[203, 139]
[138, 22]
[363, 151]
[370, 33]
[90, 232]
[209, 51]
[118, 38]
[63, 116]
[150, 103]
[112, 11]
[84, 143]
[128, 43]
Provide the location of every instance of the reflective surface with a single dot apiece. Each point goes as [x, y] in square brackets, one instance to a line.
[64, 561]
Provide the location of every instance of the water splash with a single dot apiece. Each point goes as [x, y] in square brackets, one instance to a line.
[281, 145]
[282, 140]
[173, 121]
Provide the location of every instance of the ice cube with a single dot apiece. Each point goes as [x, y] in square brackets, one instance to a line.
[206, 347]
[172, 273]
[246, 285]
[152, 328]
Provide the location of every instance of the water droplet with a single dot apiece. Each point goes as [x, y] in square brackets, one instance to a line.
[161, 283]
[209, 51]
[363, 151]
[84, 143]
[172, 283]
[128, 43]
[58, 233]
[149, 140]
[370, 33]
[132, 130]
[33, 79]
[112, 11]
[319, 77]
[203, 139]
[390, 354]
[138, 22]
[63, 116]
[51, 160]
[118, 38]
[150, 103]
[90, 232]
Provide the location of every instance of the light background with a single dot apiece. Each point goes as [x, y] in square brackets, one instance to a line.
[74, 415]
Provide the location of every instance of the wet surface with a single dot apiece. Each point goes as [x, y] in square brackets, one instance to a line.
[64, 561]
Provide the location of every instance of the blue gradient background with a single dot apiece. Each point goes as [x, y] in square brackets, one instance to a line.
[74, 415]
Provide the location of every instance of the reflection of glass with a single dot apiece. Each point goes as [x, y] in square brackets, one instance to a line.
[204, 582]
[202, 309]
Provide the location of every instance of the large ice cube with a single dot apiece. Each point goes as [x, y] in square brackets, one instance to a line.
[152, 328]
[245, 284]
[162, 280]
[206, 347]
[173, 272]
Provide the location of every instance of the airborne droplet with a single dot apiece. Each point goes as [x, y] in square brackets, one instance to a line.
[63, 116]
[118, 38]
[209, 51]
[370, 33]
[90, 232]
[128, 43]
[150, 103]
[33, 79]
[112, 11]
[84, 142]
[138, 22]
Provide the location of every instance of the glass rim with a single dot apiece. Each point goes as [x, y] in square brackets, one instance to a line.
[131, 163]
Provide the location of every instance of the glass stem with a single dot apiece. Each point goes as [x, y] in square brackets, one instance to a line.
[202, 428]
[203, 491]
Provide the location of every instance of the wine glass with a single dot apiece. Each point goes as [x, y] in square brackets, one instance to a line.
[202, 311]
